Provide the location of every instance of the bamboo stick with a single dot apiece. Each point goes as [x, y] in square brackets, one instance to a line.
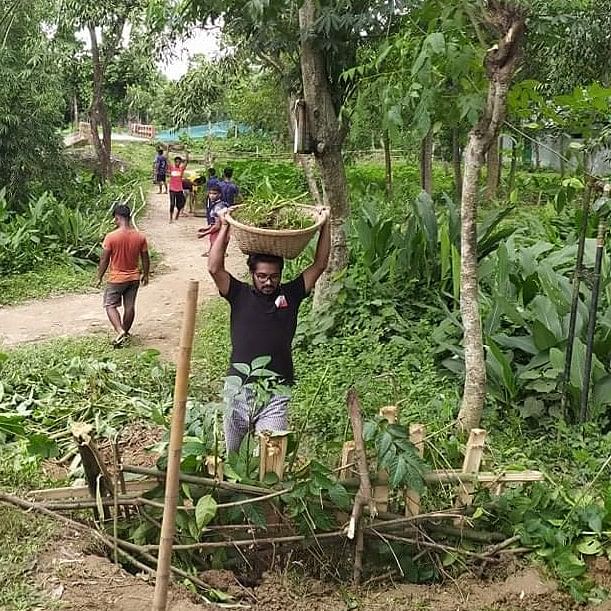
[256, 499]
[91, 503]
[252, 542]
[471, 464]
[202, 481]
[168, 525]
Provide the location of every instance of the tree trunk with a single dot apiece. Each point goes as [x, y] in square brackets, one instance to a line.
[305, 161]
[328, 137]
[492, 179]
[98, 114]
[307, 164]
[500, 65]
[457, 162]
[513, 168]
[562, 163]
[387, 163]
[75, 111]
[499, 180]
[426, 163]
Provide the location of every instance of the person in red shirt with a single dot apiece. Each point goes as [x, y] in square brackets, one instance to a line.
[177, 197]
[122, 249]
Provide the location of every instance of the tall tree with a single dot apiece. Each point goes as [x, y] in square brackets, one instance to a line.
[508, 19]
[328, 135]
[322, 38]
[106, 23]
[31, 102]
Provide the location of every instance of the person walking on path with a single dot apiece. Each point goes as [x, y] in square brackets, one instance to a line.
[160, 167]
[230, 189]
[263, 323]
[177, 197]
[122, 249]
[213, 179]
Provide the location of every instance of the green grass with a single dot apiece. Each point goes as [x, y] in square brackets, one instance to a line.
[22, 538]
[56, 279]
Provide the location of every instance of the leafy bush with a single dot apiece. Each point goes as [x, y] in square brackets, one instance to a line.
[58, 230]
[525, 301]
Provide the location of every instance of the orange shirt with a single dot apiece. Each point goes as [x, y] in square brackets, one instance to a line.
[125, 246]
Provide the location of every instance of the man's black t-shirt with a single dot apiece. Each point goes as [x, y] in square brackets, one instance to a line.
[263, 325]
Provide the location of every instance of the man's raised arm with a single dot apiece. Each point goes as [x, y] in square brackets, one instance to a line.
[216, 259]
[321, 259]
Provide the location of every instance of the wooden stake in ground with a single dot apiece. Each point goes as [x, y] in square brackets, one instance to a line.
[181, 387]
[412, 498]
[471, 465]
[363, 496]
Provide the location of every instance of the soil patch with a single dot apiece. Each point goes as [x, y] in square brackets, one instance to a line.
[79, 579]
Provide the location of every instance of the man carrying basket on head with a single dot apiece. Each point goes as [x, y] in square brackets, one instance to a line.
[263, 323]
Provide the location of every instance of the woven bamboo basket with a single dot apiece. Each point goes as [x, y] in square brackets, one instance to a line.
[286, 243]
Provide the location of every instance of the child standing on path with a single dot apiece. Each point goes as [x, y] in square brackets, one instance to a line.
[177, 197]
[215, 205]
[160, 166]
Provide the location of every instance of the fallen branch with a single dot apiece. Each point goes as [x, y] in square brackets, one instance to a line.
[248, 542]
[202, 481]
[505, 543]
[257, 499]
[92, 504]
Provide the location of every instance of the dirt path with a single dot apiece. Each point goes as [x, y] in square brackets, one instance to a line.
[159, 306]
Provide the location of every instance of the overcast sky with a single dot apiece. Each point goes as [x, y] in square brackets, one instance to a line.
[202, 41]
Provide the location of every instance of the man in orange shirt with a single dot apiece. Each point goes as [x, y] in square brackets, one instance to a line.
[122, 249]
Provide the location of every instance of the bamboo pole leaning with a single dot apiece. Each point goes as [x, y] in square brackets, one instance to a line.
[168, 525]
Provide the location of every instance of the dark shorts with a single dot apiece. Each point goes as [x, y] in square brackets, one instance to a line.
[117, 292]
[177, 200]
[160, 177]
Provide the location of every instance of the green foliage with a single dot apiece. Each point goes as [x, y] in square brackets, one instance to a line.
[565, 528]
[526, 299]
[30, 103]
[22, 540]
[66, 229]
[396, 454]
[275, 213]
[46, 388]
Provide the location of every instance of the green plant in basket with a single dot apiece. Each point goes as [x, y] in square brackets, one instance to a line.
[275, 213]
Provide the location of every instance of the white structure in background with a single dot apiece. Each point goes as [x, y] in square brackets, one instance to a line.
[550, 149]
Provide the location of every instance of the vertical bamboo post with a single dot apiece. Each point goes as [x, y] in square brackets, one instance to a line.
[417, 432]
[272, 450]
[381, 492]
[181, 386]
[471, 464]
[348, 458]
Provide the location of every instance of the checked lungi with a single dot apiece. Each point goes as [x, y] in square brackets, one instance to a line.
[242, 417]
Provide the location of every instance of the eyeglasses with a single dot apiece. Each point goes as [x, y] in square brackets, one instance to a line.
[266, 277]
